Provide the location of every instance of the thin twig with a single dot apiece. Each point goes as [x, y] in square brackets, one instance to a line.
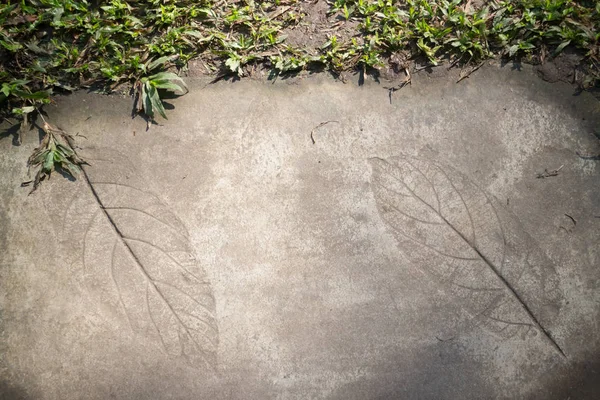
[393, 89]
[41, 116]
[571, 218]
[470, 72]
[405, 82]
[455, 62]
[279, 12]
[547, 174]
[334, 27]
[317, 127]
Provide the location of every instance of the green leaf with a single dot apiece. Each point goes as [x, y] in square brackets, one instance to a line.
[19, 82]
[72, 168]
[41, 95]
[160, 61]
[49, 161]
[10, 45]
[561, 47]
[526, 46]
[37, 49]
[156, 101]
[167, 85]
[57, 14]
[147, 103]
[195, 34]
[65, 150]
[233, 64]
[167, 76]
[59, 157]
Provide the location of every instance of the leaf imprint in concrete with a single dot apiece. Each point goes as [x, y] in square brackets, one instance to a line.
[137, 250]
[474, 248]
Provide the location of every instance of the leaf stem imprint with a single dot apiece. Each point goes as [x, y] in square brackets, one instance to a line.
[385, 176]
[153, 284]
[514, 293]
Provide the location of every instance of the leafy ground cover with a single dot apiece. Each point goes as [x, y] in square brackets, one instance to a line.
[52, 46]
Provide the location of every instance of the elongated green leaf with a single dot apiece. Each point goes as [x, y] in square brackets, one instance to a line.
[167, 85]
[158, 62]
[37, 49]
[37, 158]
[167, 76]
[59, 157]
[72, 168]
[561, 47]
[147, 103]
[195, 34]
[156, 101]
[19, 82]
[41, 95]
[49, 161]
[65, 150]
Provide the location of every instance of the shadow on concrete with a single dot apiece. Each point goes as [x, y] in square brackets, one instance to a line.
[580, 381]
[13, 131]
[11, 392]
[453, 375]
[441, 371]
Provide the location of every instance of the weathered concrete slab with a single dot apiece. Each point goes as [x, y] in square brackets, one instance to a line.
[409, 252]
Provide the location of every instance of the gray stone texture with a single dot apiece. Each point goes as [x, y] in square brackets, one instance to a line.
[410, 252]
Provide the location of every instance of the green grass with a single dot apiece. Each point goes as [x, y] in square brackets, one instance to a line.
[51, 46]
[450, 29]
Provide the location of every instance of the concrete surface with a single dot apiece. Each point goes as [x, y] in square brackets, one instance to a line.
[411, 252]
